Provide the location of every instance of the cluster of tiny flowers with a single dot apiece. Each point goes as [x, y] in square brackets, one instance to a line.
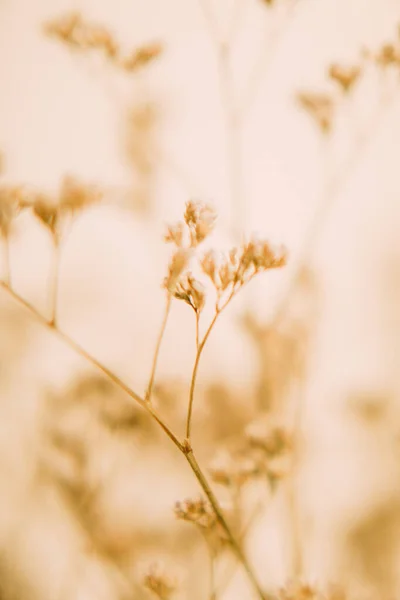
[321, 106]
[79, 34]
[229, 273]
[226, 273]
[198, 512]
[198, 222]
[270, 445]
[160, 583]
[72, 198]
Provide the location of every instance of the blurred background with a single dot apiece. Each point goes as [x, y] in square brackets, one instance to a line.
[239, 107]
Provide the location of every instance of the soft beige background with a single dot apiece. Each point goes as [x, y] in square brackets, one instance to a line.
[61, 114]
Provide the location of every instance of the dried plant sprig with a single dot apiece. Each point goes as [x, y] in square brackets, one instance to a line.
[241, 265]
[200, 219]
[178, 263]
[11, 203]
[183, 446]
[191, 291]
[141, 57]
[161, 583]
[198, 511]
[72, 29]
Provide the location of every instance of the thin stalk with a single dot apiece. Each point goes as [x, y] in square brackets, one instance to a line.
[200, 348]
[232, 125]
[53, 280]
[93, 361]
[7, 261]
[184, 447]
[190, 457]
[158, 346]
[261, 65]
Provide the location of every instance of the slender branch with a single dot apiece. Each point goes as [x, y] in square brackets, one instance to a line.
[92, 360]
[7, 261]
[262, 63]
[53, 280]
[324, 209]
[158, 346]
[232, 126]
[221, 519]
[200, 348]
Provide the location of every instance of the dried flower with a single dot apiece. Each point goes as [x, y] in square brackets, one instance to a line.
[158, 581]
[191, 291]
[320, 107]
[11, 202]
[79, 34]
[48, 212]
[175, 234]
[177, 265]
[208, 265]
[75, 196]
[142, 56]
[346, 77]
[388, 55]
[198, 512]
[200, 219]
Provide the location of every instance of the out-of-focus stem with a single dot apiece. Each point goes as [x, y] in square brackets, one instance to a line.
[158, 347]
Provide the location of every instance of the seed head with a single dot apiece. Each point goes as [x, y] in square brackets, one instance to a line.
[191, 291]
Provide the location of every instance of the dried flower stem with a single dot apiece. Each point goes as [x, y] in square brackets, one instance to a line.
[200, 348]
[91, 359]
[221, 519]
[7, 262]
[232, 125]
[334, 187]
[184, 448]
[158, 346]
[262, 63]
[53, 282]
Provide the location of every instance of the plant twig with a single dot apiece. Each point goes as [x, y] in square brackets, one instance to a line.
[261, 65]
[158, 346]
[92, 360]
[200, 348]
[232, 126]
[321, 215]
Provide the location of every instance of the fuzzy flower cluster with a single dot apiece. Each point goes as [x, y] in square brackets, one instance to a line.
[322, 106]
[72, 198]
[227, 273]
[198, 512]
[82, 35]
